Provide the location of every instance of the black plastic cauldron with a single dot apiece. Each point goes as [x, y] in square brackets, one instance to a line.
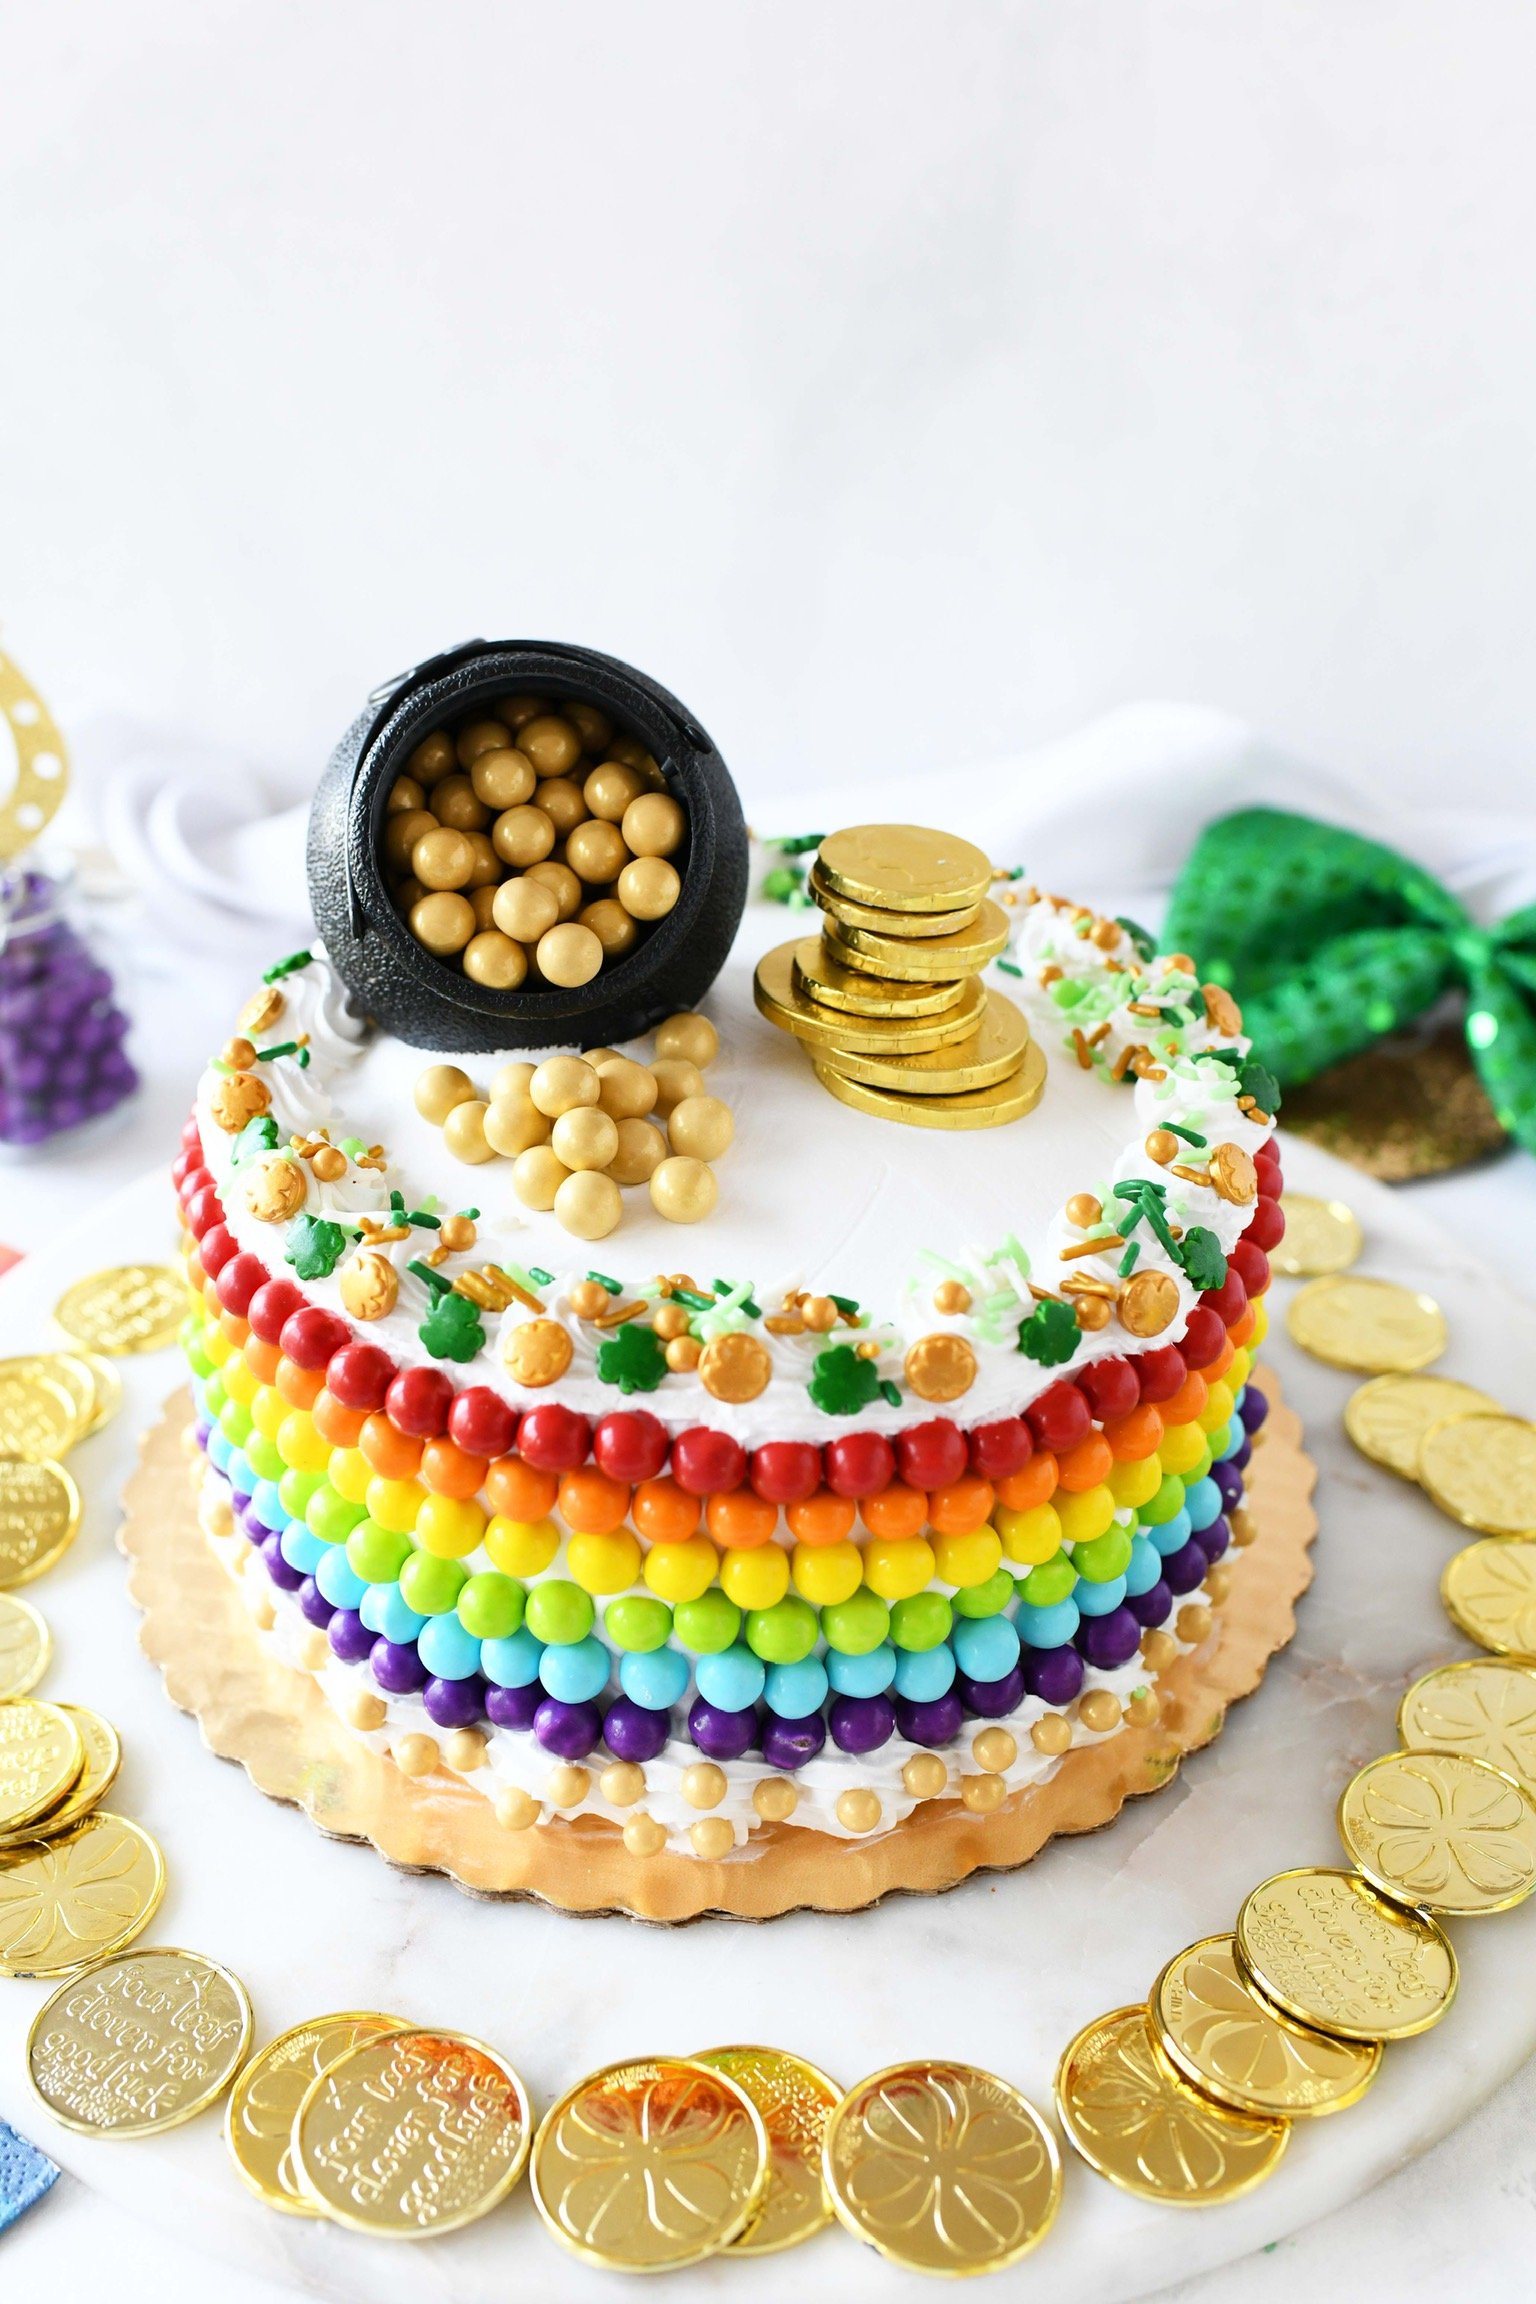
[426, 1002]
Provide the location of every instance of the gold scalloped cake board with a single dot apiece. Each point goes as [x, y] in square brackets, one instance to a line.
[275, 1722]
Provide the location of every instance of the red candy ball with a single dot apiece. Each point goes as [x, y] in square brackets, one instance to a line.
[1266, 1226]
[238, 1282]
[999, 1450]
[786, 1471]
[272, 1307]
[1059, 1418]
[631, 1445]
[1230, 1301]
[480, 1422]
[310, 1337]
[418, 1402]
[928, 1456]
[204, 1210]
[191, 1140]
[1109, 1387]
[1251, 1265]
[553, 1439]
[1160, 1373]
[195, 1178]
[359, 1375]
[861, 1464]
[1270, 1174]
[215, 1249]
[1203, 1337]
[706, 1463]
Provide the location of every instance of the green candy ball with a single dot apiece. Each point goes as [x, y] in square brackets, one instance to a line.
[235, 1423]
[559, 1613]
[431, 1586]
[332, 1517]
[263, 1458]
[989, 1599]
[921, 1621]
[214, 1395]
[1106, 1557]
[491, 1605]
[856, 1625]
[638, 1623]
[377, 1554]
[1053, 1580]
[1168, 1500]
[784, 1633]
[295, 1490]
[708, 1624]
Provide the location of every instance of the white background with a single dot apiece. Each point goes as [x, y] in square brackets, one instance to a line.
[903, 385]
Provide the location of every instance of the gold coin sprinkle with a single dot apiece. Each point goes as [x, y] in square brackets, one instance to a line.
[943, 2168]
[258, 2126]
[1320, 1236]
[77, 1898]
[103, 1758]
[1483, 1708]
[1221, 2037]
[41, 1756]
[1372, 1325]
[1137, 2123]
[1489, 1592]
[1481, 1469]
[651, 2166]
[1440, 1831]
[414, 2133]
[1388, 1418]
[903, 868]
[794, 2101]
[1330, 1952]
[26, 1644]
[138, 2043]
[130, 1308]
[39, 1518]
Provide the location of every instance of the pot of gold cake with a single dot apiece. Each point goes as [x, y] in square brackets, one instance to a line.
[523, 844]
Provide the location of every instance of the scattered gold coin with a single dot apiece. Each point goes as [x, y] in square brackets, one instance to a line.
[1441, 1831]
[903, 868]
[39, 1518]
[41, 1756]
[794, 2101]
[1327, 1950]
[39, 1415]
[77, 1898]
[129, 1308]
[1481, 1469]
[992, 1107]
[1372, 1325]
[103, 1758]
[825, 979]
[650, 2166]
[1483, 1708]
[1221, 2037]
[1388, 1418]
[1489, 1592]
[994, 1050]
[414, 2133]
[139, 2042]
[781, 999]
[109, 1388]
[1137, 2123]
[1320, 1236]
[881, 919]
[942, 2168]
[258, 2125]
[26, 1644]
[922, 959]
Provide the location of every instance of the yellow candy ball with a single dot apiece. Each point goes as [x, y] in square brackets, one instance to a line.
[755, 1579]
[1241, 1369]
[562, 1083]
[1029, 1537]
[679, 1572]
[701, 1127]
[683, 1190]
[1085, 1515]
[350, 1474]
[395, 1503]
[1260, 1325]
[898, 1566]
[827, 1573]
[241, 1381]
[610, 789]
[588, 1205]
[1136, 1483]
[1181, 1448]
[1218, 1409]
[300, 1445]
[966, 1560]
[521, 1547]
[602, 1564]
[450, 1526]
[269, 1411]
[216, 1344]
[495, 960]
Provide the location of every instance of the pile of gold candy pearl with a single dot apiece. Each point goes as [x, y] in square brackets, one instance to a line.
[532, 844]
[578, 1128]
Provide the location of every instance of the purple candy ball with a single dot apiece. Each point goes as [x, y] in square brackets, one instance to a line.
[1254, 1407]
[283, 1575]
[397, 1668]
[1185, 1569]
[788, 1744]
[570, 1731]
[455, 1703]
[719, 1734]
[634, 1731]
[251, 1524]
[202, 1428]
[513, 1707]
[862, 1723]
[935, 1723]
[1230, 1481]
[1152, 1607]
[993, 1699]
[1109, 1641]
[313, 1604]
[1053, 1674]
[1214, 1540]
[349, 1636]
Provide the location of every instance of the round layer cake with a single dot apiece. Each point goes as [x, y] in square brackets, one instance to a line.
[904, 1472]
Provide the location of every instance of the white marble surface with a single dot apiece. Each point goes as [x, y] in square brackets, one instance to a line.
[1002, 1972]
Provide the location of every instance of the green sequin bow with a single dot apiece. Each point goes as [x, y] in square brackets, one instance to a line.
[1328, 940]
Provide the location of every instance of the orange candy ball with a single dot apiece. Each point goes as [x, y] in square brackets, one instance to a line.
[962, 1508]
[821, 1519]
[740, 1519]
[1088, 1465]
[1036, 1484]
[519, 1491]
[896, 1512]
[393, 1454]
[592, 1503]
[1187, 1402]
[1135, 1435]
[300, 1387]
[663, 1512]
[449, 1470]
[341, 1426]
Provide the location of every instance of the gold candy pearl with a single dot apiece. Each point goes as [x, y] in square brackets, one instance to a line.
[522, 836]
[239, 1054]
[365, 1711]
[415, 1755]
[642, 1149]
[551, 743]
[480, 736]
[819, 1314]
[1099, 1710]
[687, 1038]
[648, 888]
[858, 1810]
[868, 1350]
[561, 800]
[775, 1799]
[1144, 1708]
[561, 1083]
[405, 793]
[676, 1079]
[925, 1776]
[1051, 1734]
[593, 727]
[611, 925]
[515, 1809]
[443, 859]
[503, 778]
[433, 757]
[683, 1190]
[514, 1124]
[983, 1795]
[464, 1750]
[1158, 1650]
[683, 1354]
[492, 959]
[701, 1127]
[712, 1838]
[609, 790]
[643, 1836]
[536, 1352]
[1244, 1528]
[328, 1163]
[443, 922]
[464, 1133]
[569, 955]
[1193, 1623]
[275, 1188]
[1083, 1209]
[438, 1089]
[517, 711]
[669, 1321]
[1092, 1313]
[512, 1080]
[313, 1649]
[587, 1298]
[704, 1785]
[401, 834]
[994, 1749]
[596, 852]
[568, 891]
[625, 1090]
[588, 1204]
[951, 1297]
[1162, 1146]
[408, 892]
[566, 1785]
[369, 1285]
[654, 824]
[1218, 1584]
[622, 1784]
[457, 1233]
[525, 909]
[454, 804]
[585, 1137]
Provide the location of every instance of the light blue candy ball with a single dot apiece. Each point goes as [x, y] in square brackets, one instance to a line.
[1100, 1599]
[1049, 1627]
[867, 1675]
[1171, 1536]
[1228, 1440]
[302, 1548]
[795, 1691]
[658, 1679]
[1143, 1568]
[575, 1670]
[383, 1609]
[238, 1470]
[220, 1450]
[267, 1504]
[733, 1679]
[987, 1647]
[447, 1650]
[1202, 1503]
[339, 1580]
[925, 1675]
[514, 1661]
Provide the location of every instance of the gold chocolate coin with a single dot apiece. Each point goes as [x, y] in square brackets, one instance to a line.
[1372, 1325]
[1483, 1708]
[26, 1644]
[39, 1415]
[651, 2166]
[1221, 2037]
[988, 1055]
[41, 1756]
[853, 914]
[923, 960]
[1132, 2118]
[130, 1308]
[39, 1517]
[780, 998]
[1320, 1236]
[1441, 1831]
[139, 2042]
[1489, 1592]
[103, 1758]
[1481, 1469]
[1333, 1954]
[903, 868]
[77, 1898]
[258, 2124]
[823, 978]
[414, 2133]
[992, 1107]
[794, 2101]
[942, 2168]
[109, 1388]
[1388, 1418]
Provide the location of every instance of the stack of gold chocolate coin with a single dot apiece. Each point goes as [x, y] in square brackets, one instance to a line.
[888, 1000]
